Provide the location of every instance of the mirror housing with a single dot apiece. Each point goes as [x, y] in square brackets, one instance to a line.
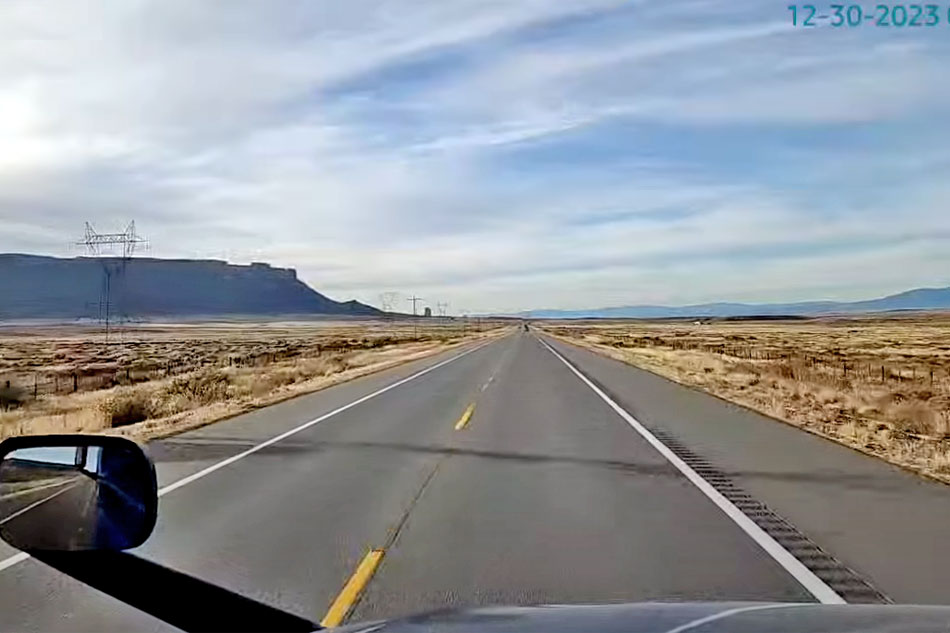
[76, 493]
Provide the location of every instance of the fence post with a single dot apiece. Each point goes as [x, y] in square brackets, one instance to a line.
[75, 382]
[882, 374]
[34, 386]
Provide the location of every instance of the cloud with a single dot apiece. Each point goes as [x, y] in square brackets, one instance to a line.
[497, 155]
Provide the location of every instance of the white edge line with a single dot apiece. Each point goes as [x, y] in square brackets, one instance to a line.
[306, 425]
[26, 491]
[729, 613]
[37, 503]
[22, 556]
[815, 585]
[13, 560]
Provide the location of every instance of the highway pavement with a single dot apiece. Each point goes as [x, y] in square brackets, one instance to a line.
[521, 471]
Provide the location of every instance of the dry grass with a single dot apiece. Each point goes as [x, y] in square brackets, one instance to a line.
[878, 384]
[162, 380]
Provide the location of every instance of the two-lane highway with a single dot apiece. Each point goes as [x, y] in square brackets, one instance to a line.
[498, 474]
[548, 497]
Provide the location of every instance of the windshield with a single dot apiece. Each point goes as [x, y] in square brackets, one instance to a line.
[420, 305]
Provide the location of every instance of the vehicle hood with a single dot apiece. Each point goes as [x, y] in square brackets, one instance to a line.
[701, 617]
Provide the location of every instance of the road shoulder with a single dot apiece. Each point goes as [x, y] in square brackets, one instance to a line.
[883, 522]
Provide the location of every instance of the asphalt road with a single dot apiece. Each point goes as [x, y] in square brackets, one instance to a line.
[547, 494]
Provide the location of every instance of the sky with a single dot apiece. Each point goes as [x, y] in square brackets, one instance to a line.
[497, 155]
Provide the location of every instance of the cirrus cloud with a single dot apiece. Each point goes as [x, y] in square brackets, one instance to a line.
[497, 155]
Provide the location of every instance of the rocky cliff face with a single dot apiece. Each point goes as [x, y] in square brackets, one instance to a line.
[34, 287]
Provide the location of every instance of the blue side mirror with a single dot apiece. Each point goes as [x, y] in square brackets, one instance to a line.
[76, 492]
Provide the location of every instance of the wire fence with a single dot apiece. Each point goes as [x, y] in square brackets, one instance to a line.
[20, 386]
[832, 367]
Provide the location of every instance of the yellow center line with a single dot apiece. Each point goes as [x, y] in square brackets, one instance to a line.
[465, 417]
[353, 588]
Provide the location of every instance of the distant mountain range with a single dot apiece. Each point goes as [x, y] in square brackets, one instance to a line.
[918, 299]
[37, 287]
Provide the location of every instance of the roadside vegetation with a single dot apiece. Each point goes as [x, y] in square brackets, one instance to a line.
[878, 384]
[154, 381]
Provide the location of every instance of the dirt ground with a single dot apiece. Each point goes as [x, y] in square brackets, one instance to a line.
[156, 379]
[880, 384]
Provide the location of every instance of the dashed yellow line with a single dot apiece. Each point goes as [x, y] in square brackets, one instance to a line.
[353, 588]
[364, 572]
[465, 417]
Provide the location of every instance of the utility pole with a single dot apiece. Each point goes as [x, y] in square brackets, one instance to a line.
[442, 307]
[415, 322]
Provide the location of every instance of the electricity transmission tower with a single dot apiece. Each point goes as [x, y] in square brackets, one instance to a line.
[414, 299]
[113, 250]
[127, 241]
[388, 301]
